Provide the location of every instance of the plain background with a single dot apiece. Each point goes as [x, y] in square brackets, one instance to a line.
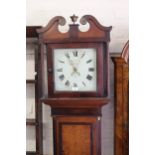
[107, 12]
[12, 82]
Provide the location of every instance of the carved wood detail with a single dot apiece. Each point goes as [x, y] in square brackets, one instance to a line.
[96, 30]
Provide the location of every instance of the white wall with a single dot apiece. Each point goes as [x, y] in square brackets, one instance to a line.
[108, 12]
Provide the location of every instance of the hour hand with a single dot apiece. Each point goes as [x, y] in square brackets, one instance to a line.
[75, 71]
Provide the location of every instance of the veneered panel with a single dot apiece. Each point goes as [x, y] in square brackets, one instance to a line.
[76, 139]
[77, 135]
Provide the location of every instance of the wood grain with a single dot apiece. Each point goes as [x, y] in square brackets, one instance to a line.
[121, 79]
[77, 135]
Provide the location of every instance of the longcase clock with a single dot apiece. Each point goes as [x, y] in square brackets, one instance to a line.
[77, 82]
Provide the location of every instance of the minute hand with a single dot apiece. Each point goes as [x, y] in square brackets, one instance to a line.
[75, 71]
[74, 68]
[83, 54]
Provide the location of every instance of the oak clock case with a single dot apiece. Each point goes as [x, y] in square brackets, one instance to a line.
[77, 82]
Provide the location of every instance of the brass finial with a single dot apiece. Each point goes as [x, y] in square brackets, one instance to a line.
[74, 18]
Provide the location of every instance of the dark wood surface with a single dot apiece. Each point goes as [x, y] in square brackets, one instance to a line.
[77, 111]
[31, 122]
[31, 153]
[121, 79]
[30, 80]
[31, 33]
[38, 114]
[101, 71]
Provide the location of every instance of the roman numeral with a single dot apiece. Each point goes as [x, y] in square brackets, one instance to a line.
[83, 55]
[61, 77]
[83, 83]
[67, 55]
[88, 61]
[67, 83]
[75, 53]
[59, 70]
[91, 69]
[74, 85]
[61, 61]
[89, 77]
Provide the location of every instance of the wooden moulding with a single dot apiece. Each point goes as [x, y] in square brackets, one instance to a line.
[75, 102]
[31, 153]
[76, 111]
[31, 31]
[31, 122]
[96, 31]
[30, 81]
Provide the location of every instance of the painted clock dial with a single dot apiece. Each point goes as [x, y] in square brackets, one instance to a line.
[75, 69]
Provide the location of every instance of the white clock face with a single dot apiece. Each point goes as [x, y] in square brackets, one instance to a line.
[75, 69]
